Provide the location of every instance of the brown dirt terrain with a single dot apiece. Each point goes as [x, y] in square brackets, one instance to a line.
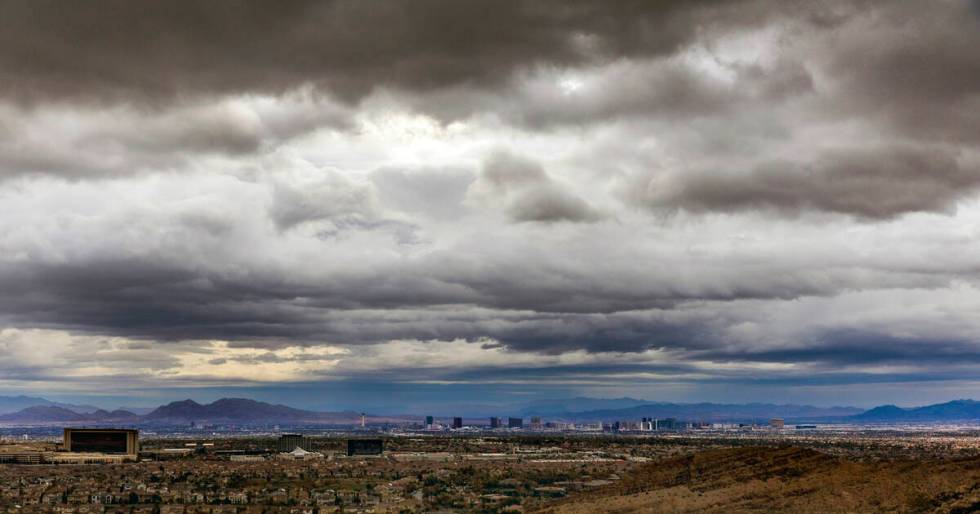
[785, 479]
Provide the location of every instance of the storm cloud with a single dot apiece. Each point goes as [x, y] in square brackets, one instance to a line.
[583, 197]
[867, 182]
[164, 50]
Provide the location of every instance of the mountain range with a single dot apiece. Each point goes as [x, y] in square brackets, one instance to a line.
[956, 410]
[242, 411]
[10, 404]
[953, 411]
[49, 413]
[226, 410]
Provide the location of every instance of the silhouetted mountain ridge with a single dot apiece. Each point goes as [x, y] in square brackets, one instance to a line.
[243, 410]
[239, 409]
[41, 413]
[48, 413]
[9, 404]
[956, 410]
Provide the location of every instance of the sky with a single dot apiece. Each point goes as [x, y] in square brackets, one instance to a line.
[405, 205]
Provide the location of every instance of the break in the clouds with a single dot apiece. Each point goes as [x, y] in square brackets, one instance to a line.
[664, 199]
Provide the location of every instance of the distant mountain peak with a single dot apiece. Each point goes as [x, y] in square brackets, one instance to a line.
[233, 409]
[9, 404]
[955, 410]
[42, 413]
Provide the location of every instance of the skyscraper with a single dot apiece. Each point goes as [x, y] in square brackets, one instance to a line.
[428, 421]
[457, 422]
[494, 422]
[515, 423]
[289, 442]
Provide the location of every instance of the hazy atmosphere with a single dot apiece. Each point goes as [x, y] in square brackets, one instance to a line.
[397, 206]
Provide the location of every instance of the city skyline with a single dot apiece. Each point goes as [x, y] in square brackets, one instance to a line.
[370, 206]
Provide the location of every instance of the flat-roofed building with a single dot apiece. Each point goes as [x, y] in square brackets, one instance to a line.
[246, 458]
[289, 442]
[21, 458]
[87, 458]
[118, 441]
[365, 447]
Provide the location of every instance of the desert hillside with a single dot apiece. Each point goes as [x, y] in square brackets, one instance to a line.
[786, 479]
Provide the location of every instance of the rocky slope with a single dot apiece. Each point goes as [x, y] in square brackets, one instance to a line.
[787, 479]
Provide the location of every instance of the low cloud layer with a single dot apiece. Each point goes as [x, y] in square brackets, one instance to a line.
[689, 197]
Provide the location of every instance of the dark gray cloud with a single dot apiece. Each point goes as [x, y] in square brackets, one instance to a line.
[164, 50]
[665, 88]
[523, 299]
[924, 86]
[873, 183]
[866, 348]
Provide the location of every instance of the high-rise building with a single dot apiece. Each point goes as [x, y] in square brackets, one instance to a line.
[494, 422]
[515, 423]
[289, 442]
[457, 422]
[428, 421]
[536, 423]
[777, 423]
